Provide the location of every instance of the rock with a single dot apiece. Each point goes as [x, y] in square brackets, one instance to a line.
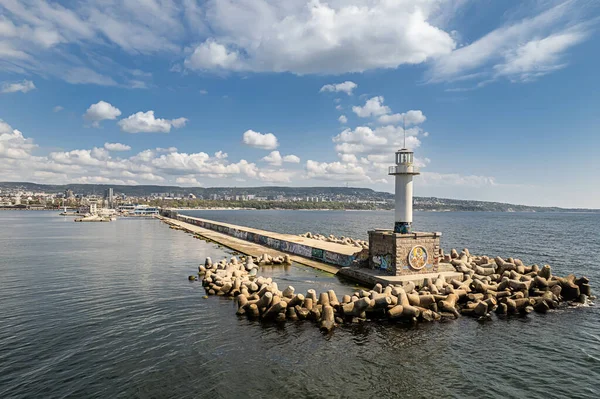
[288, 292]
[545, 272]
[328, 319]
[290, 314]
[570, 290]
[324, 299]
[395, 312]
[481, 309]
[502, 309]
[540, 282]
[449, 304]
[541, 306]
[308, 303]
[297, 300]
[278, 307]
[333, 301]
[585, 289]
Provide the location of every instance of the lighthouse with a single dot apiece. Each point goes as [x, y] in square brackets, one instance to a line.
[403, 252]
[404, 170]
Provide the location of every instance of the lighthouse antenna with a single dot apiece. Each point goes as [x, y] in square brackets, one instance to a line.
[404, 128]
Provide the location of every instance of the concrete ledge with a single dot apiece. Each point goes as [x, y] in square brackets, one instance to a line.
[369, 277]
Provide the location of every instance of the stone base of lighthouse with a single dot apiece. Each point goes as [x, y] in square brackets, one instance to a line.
[404, 254]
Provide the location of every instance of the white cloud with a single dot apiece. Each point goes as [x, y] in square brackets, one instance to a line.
[23, 87]
[360, 135]
[276, 176]
[168, 149]
[335, 171]
[12, 143]
[520, 51]
[454, 179]
[297, 36]
[266, 141]
[188, 181]
[373, 107]
[116, 147]
[343, 120]
[85, 75]
[345, 87]
[537, 57]
[213, 55]
[99, 165]
[274, 158]
[291, 158]
[348, 158]
[411, 117]
[221, 155]
[101, 111]
[327, 37]
[58, 108]
[145, 122]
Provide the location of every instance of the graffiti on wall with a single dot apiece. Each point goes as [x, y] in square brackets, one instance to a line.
[301, 250]
[282, 245]
[317, 253]
[383, 262]
[273, 243]
[241, 234]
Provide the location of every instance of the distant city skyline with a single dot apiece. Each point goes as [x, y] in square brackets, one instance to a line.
[500, 99]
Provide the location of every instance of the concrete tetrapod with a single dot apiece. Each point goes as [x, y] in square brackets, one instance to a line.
[505, 286]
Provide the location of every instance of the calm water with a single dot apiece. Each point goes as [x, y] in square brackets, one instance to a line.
[105, 310]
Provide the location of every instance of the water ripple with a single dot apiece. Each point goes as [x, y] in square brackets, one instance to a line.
[106, 311]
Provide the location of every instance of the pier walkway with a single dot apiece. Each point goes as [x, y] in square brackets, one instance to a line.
[243, 245]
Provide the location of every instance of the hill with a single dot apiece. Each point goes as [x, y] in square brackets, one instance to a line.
[273, 196]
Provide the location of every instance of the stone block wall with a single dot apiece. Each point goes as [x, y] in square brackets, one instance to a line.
[262, 238]
[389, 252]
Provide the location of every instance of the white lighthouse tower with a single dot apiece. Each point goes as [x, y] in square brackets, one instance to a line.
[404, 170]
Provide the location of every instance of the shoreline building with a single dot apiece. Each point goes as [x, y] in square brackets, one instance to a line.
[109, 197]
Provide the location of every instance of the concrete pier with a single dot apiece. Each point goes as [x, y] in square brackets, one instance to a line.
[321, 251]
[246, 247]
[317, 254]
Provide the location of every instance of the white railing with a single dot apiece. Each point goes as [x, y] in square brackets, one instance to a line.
[401, 169]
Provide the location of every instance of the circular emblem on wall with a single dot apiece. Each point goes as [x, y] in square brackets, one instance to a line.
[417, 257]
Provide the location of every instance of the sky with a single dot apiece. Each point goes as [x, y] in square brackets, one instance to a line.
[498, 99]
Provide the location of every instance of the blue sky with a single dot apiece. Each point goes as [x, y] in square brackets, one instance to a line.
[500, 98]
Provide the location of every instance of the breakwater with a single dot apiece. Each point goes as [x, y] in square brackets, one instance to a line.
[322, 251]
[504, 287]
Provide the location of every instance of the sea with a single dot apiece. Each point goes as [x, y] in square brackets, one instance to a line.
[105, 310]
